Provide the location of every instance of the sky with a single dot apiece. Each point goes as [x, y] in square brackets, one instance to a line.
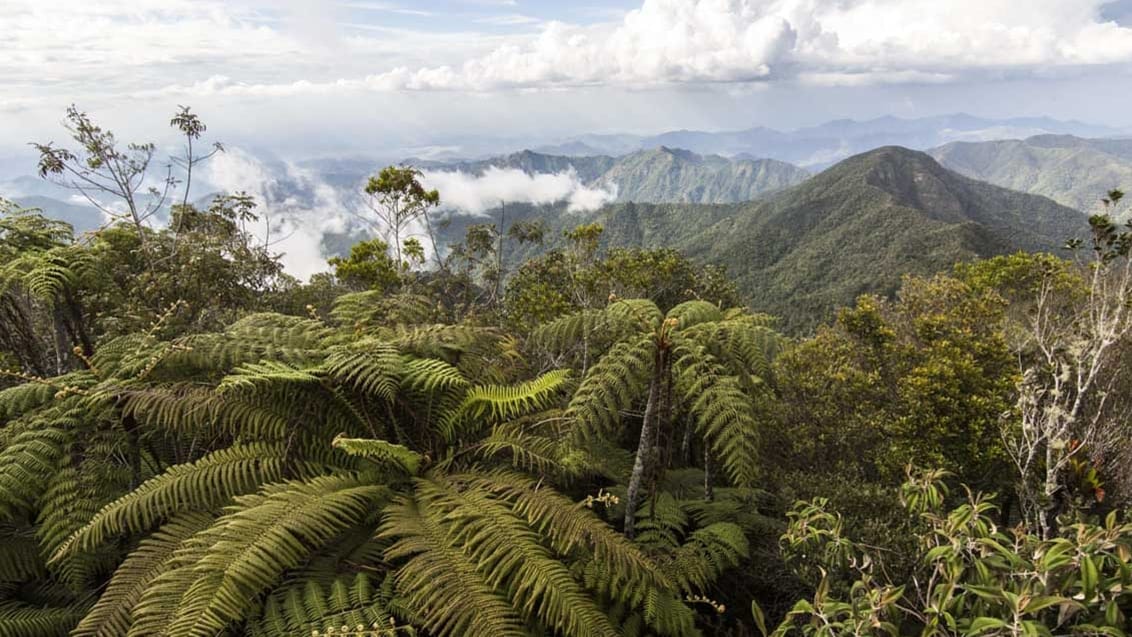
[324, 77]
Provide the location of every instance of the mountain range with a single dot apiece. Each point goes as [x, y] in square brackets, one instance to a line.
[820, 146]
[659, 175]
[854, 228]
[1071, 170]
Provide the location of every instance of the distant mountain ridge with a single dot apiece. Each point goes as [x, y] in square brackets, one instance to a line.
[822, 145]
[1071, 170]
[854, 228]
[660, 175]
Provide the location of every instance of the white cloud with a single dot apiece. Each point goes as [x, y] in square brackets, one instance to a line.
[475, 194]
[834, 41]
[260, 48]
[295, 210]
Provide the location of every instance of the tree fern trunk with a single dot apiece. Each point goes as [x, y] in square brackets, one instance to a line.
[78, 324]
[644, 450]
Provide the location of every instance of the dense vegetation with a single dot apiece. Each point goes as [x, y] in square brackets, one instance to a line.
[595, 441]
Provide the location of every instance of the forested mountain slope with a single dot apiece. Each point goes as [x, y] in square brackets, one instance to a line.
[854, 228]
[860, 225]
[1072, 171]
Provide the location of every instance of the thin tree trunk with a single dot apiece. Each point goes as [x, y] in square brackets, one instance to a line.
[709, 476]
[1047, 512]
[644, 449]
[686, 445]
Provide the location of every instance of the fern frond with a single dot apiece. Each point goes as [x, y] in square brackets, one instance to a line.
[643, 314]
[284, 331]
[611, 386]
[565, 332]
[440, 580]
[19, 554]
[111, 615]
[18, 619]
[374, 308]
[349, 600]
[370, 366]
[267, 375]
[722, 411]
[511, 557]
[536, 452]
[71, 499]
[26, 397]
[259, 538]
[569, 526]
[27, 464]
[431, 376]
[691, 313]
[708, 552]
[382, 452]
[498, 403]
[491, 404]
[661, 523]
[203, 485]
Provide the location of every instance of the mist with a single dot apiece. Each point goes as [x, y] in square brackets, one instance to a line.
[472, 194]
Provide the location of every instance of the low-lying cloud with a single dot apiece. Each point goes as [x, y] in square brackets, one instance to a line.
[295, 209]
[474, 194]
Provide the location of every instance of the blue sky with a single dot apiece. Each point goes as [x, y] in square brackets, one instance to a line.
[457, 15]
[324, 76]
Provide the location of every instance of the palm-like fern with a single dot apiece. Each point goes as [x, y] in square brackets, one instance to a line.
[711, 365]
[289, 474]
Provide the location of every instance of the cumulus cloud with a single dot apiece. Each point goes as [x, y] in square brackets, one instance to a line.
[833, 41]
[475, 194]
[271, 49]
[818, 42]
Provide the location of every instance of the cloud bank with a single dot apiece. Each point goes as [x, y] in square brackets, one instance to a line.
[814, 42]
[474, 194]
[821, 41]
[264, 49]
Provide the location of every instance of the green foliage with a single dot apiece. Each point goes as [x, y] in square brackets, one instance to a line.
[921, 380]
[971, 578]
[368, 267]
[603, 443]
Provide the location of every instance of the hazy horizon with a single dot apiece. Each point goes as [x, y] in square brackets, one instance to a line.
[312, 78]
